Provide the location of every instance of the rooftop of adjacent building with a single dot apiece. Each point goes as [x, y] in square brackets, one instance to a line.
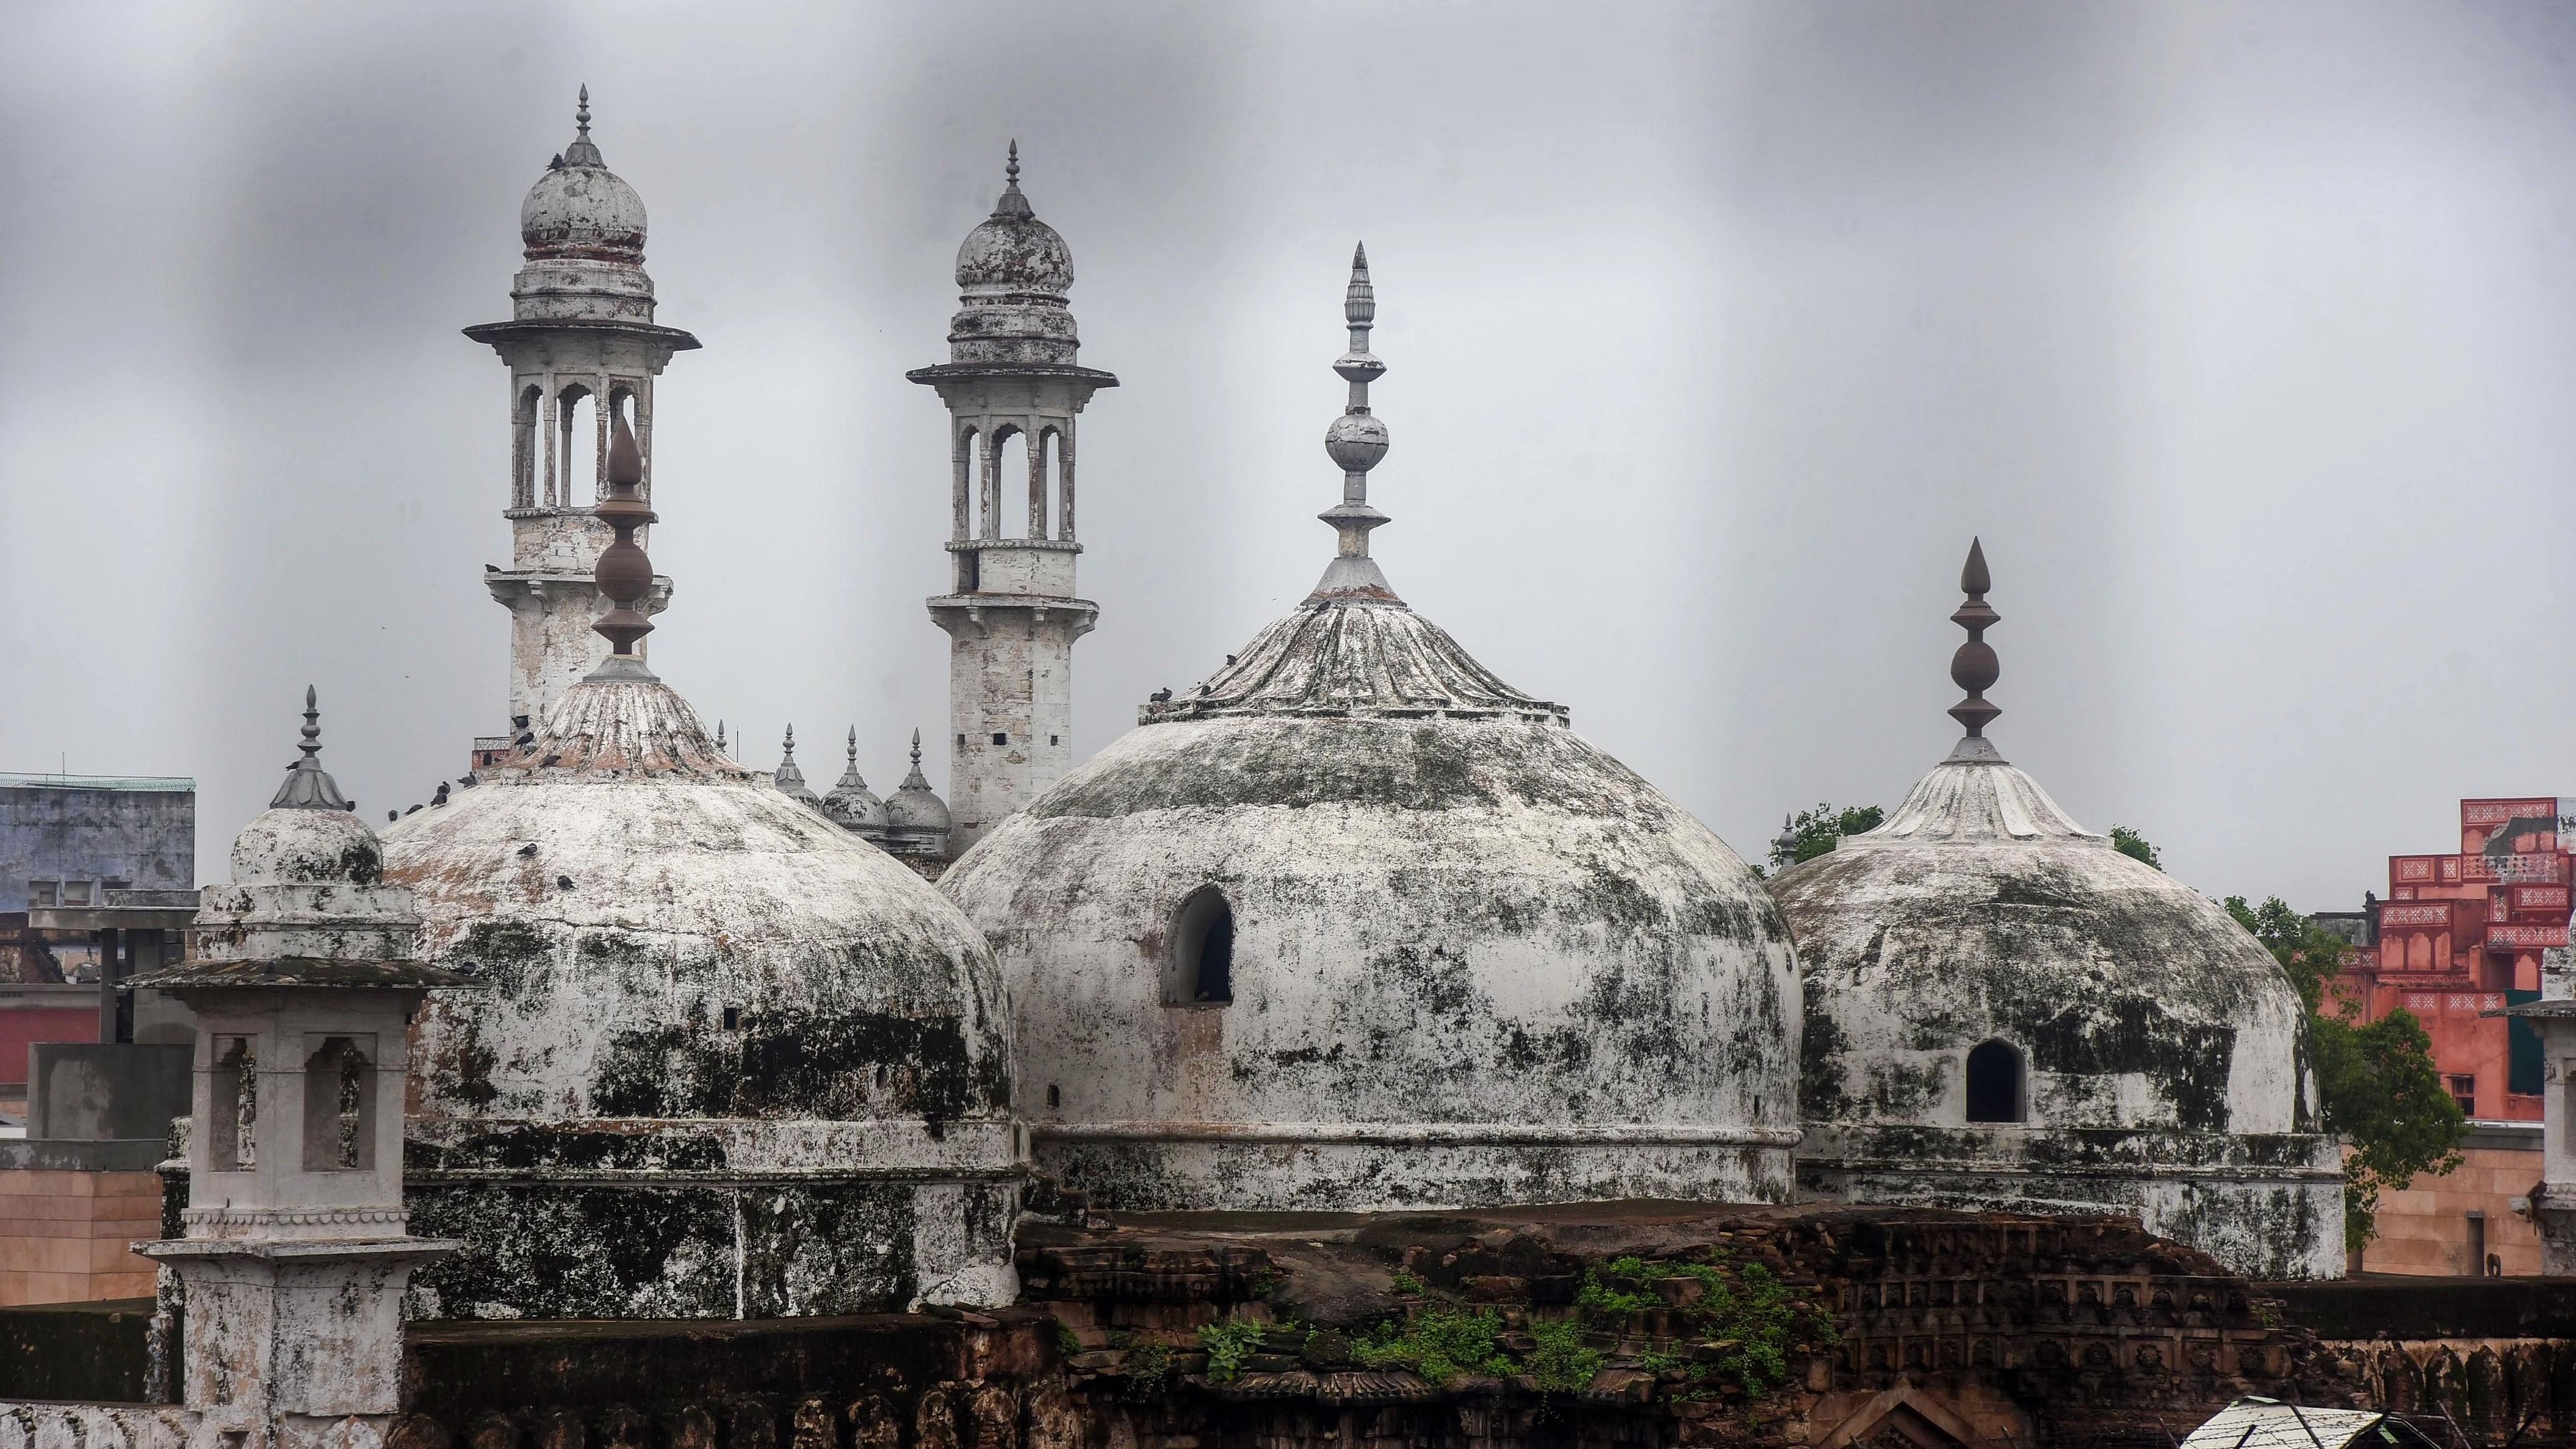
[164, 784]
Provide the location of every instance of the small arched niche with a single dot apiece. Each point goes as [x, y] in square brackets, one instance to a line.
[340, 1106]
[1995, 1083]
[1199, 969]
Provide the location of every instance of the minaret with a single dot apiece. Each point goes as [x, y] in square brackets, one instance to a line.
[1011, 614]
[583, 350]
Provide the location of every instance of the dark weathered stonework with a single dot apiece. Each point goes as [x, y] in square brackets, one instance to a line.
[1941, 1328]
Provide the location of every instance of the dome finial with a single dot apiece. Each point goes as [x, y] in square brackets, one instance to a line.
[854, 747]
[1974, 668]
[308, 786]
[916, 749]
[582, 151]
[624, 574]
[1356, 441]
[1013, 203]
[789, 746]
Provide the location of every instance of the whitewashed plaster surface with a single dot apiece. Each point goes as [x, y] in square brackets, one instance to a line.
[693, 981]
[2165, 1050]
[1476, 960]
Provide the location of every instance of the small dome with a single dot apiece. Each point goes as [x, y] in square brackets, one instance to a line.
[914, 807]
[303, 845]
[790, 779]
[581, 209]
[852, 805]
[2003, 1011]
[1013, 251]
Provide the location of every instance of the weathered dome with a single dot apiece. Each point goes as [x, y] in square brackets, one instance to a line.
[1013, 274]
[580, 208]
[1471, 959]
[300, 845]
[691, 973]
[790, 779]
[583, 229]
[852, 805]
[914, 808]
[1013, 251]
[2003, 1010]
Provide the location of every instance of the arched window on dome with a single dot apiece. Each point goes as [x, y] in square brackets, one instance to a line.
[1199, 970]
[1994, 1083]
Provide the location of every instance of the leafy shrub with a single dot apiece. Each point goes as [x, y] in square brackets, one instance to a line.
[1228, 1345]
[1560, 1363]
[1437, 1343]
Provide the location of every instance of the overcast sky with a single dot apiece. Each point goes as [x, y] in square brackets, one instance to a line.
[2244, 334]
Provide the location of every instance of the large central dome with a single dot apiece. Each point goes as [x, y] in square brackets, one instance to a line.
[1354, 924]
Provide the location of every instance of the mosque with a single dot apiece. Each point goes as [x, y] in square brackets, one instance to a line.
[1352, 924]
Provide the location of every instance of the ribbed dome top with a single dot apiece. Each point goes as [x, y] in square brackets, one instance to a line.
[1975, 802]
[1349, 658]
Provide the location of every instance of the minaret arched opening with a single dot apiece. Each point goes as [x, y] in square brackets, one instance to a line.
[1007, 464]
[525, 445]
[576, 419]
[1200, 964]
[1995, 1083]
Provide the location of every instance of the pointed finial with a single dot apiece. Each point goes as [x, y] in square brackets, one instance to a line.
[1013, 203]
[916, 747]
[307, 785]
[1974, 667]
[623, 573]
[1356, 441]
[583, 151]
[790, 746]
[720, 743]
[854, 747]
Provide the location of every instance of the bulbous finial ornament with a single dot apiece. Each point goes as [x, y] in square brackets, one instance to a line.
[624, 574]
[1356, 442]
[307, 785]
[1974, 667]
[1014, 202]
[583, 151]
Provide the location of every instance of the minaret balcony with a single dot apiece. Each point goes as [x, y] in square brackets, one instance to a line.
[966, 616]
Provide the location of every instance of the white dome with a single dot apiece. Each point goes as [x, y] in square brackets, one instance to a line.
[578, 210]
[689, 970]
[2157, 1060]
[303, 845]
[1473, 959]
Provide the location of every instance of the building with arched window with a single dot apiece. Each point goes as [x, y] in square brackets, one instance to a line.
[2004, 1012]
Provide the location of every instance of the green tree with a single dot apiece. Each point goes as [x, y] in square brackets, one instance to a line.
[1810, 833]
[2376, 1082]
[2133, 845]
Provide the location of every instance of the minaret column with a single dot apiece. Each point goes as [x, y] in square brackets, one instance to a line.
[581, 318]
[1012, 613]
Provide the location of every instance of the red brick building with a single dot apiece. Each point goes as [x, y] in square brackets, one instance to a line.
[2459, 936]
